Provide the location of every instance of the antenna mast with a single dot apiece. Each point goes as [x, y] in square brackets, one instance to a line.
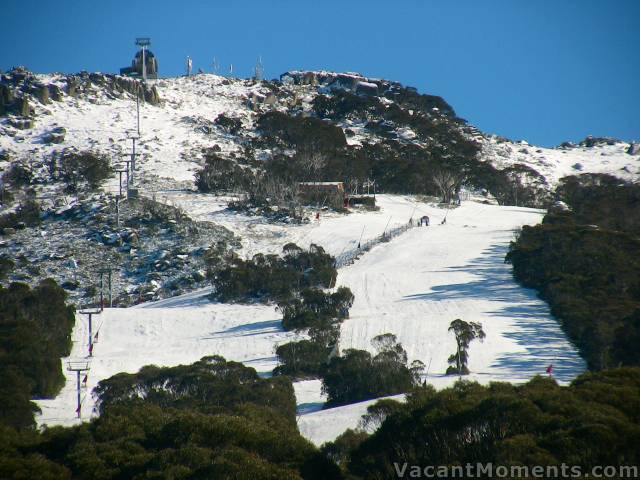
[259, 69]
[143, 43]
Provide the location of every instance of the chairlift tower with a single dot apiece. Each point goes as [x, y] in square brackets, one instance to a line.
[78, 367]
[90, 314]
[143, 43]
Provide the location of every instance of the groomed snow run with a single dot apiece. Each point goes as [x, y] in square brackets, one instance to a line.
[412, 286]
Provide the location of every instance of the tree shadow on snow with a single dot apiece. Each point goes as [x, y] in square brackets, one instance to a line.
[535, 330]
[249, 329]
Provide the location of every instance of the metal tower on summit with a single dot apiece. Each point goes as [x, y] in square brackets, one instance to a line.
[144, 64]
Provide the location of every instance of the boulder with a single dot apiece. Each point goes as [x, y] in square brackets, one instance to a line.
[42, 93]
[21, 123]
[55, 92]
[151, 95]
[634, 149]
[55, 136]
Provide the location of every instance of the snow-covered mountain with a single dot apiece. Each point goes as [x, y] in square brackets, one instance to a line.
[412, 286]
[97, 112]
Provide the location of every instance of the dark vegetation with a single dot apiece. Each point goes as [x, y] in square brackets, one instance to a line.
[316, 309]
[27, 214]
[35, 331]
[354, 376]
[212, 419]
[595, 421]
[314, 148]
[357, 375]
[320, 314]
[273, 277]
[465, 333]
[211, 386]
[585, 264]
[85, 168]
[221, 175]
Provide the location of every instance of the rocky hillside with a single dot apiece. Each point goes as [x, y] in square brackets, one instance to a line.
[63, 139]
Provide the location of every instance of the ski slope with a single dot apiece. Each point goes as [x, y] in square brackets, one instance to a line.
[417, 284]
[171, 332]
[412, 286]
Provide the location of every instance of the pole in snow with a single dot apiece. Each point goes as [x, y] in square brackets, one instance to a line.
[90, 314]
[78, 367]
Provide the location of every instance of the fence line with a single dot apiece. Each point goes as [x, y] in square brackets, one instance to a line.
[350, 256]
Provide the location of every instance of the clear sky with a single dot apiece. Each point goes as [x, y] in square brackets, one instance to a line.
[541, 70]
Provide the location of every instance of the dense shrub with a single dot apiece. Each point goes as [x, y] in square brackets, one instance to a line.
[84, 167]
[273, 277]
[304, 358]
[594, 421]
[211, 385]
[17, 175]
[230, 124]
[6, 266]
[301, 131]
[212, 419]
[346, 105]
[602, 200]
[147, 441]
[221, 175]
[316, 309]
[35, 332]
[26, 215]
[588, 273]
[357, 375]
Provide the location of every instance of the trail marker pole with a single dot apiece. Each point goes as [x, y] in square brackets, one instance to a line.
[385, 227]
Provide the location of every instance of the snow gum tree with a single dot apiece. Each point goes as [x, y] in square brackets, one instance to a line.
[465, 333]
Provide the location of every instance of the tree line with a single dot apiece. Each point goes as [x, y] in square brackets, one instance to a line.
[584, 260]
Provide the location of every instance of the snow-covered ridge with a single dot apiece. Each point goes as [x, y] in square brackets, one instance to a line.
[176, 130]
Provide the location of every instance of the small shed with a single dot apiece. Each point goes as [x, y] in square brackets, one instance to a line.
[329, 194]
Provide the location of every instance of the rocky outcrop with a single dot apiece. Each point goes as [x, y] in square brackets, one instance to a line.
[634, 149]
[19, 87]
[55, 136]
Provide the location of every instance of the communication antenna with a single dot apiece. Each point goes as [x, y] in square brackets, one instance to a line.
[143, 43]
[189, 66]
[78, 367]
[216, 66]
[231, 70]
[259, 70]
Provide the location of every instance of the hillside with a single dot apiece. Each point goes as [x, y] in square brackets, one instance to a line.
[219, 161]
[361, 130]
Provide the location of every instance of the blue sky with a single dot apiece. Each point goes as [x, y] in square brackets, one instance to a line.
[544, 70]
